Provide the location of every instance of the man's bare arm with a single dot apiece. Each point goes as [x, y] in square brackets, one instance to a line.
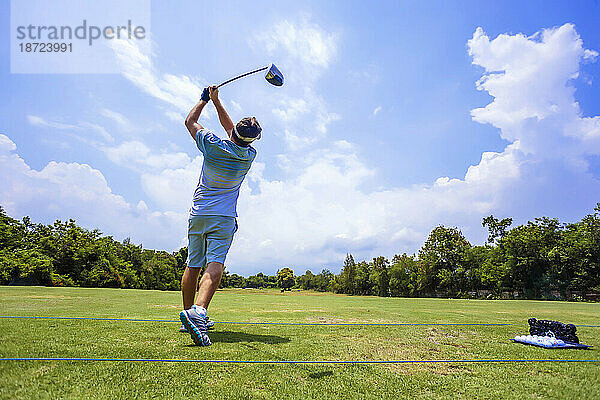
[223, 116]
[191, 121]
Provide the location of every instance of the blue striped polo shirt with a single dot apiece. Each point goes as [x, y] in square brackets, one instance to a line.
[223, 170]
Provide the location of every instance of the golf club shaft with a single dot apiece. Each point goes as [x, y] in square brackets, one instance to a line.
[243, 75]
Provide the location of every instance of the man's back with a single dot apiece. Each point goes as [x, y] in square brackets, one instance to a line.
[212, 223]
[223, 170]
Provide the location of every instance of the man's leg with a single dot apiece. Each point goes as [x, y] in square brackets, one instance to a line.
[193, 318]
[209, 283]
[189, 282]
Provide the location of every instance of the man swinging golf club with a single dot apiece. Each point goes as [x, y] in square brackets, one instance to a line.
[212, 221]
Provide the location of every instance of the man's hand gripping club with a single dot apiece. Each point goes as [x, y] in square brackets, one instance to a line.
[209, 93]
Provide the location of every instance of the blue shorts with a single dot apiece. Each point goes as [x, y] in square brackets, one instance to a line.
[209, 239]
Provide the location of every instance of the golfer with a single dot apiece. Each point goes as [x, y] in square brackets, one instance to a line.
[212, 222]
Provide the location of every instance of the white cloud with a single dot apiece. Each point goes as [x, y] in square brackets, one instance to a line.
[307, 114]
[293, 108]
[178, 91]
[39, 121]
[82, 127]
[100, 130]
[236, 105]
[121, 121]
[294, 142]
[324, 118]
[371, 74]
[175, 116]
[306, 42]
[590, 55]
[173, 188]
[529, 78]
[304, 50]
[320, 211]
[135, 154]
[71, 190]
[7, 146]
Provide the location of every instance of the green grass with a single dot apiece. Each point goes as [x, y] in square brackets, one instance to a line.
[115, 339]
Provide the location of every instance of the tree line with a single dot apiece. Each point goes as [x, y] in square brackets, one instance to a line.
[65, 254]
[540, 259]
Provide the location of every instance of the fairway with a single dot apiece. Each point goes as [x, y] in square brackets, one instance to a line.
[272, 342]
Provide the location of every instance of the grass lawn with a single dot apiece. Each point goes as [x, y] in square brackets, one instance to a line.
[118, 339]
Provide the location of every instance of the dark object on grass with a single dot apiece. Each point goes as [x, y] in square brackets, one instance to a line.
[560, 331]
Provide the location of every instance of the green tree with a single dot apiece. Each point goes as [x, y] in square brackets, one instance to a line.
[237, 281]
[380, 281]
[133, 254]
[306, 281]
[159, 271]
[403, 273]
[25, 266]
[535, 258]
[346, 281]
[362, 281]
[496, 228]
[529, 252]
[443, 260]
[323, 281]
[256, 281]
[225, 278]
[12, 232]
[487, 267]
[102, 274]
[285, 278]
[576, 260]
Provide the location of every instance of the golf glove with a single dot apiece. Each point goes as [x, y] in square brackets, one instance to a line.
[205, 95]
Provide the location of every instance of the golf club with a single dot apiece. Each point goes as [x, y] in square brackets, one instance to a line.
[273, 75]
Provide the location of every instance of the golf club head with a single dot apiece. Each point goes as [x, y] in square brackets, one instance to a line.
[274, 76]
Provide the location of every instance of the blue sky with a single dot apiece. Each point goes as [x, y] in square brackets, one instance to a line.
[371, 142]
